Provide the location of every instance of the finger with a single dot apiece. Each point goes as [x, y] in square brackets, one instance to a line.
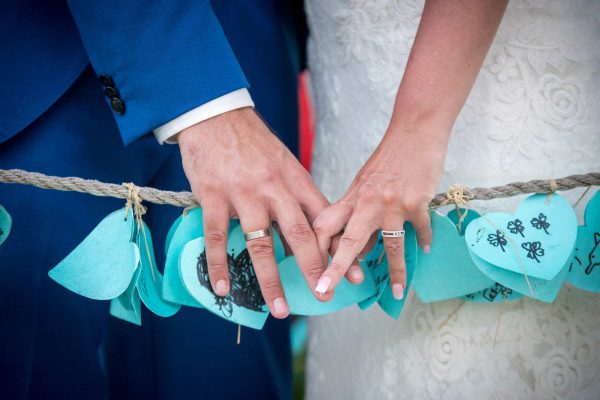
[301, 238]
[394, 248]
[355, 237]
[215, 219]
[310, 198]
[355, 274]
[254, 218]
[422, 224]
[329, 224]
[369, 246]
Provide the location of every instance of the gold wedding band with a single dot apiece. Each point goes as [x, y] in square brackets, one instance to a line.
[257, 234]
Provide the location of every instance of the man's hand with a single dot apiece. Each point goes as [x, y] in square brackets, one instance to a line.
[237, 168]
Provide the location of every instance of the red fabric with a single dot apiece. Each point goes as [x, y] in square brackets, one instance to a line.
[307, 120]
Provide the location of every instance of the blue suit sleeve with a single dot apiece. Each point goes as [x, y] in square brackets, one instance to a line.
[165, 57]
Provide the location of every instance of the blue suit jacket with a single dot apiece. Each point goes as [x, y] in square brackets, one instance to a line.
[163, 58]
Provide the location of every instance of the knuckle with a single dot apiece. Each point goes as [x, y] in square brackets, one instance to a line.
[270, 287]
[216, 268]
[270, 175]
[260, 248]
[348, 241]
[215, 237]
[300, 233]
[412, 204]
[336, 268]
[391, 197]
[398, 274]
[314, 271]
[367, 192]
[394, 247]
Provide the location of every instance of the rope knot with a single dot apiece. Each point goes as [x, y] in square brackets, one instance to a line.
[458, 194]
[134, 200]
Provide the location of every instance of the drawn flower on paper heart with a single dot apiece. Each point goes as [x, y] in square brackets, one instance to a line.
[557, 374]
[540, 223]
[559, 102]
[534, 250]
[516, 227]
[497, 239]
[504, 68]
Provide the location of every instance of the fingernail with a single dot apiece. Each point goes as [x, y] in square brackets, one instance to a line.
[221, 288]
[280, 306]
[356, 274]
[398, 291]
[427, 249]
[323, 284]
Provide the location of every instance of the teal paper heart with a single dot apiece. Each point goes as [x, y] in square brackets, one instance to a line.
[387, 302]
[171, 233]
[5, 224]
[102, 266]
[494, 294]
[447, 271]
[542, 289]
[375, 269]
[538, 240]
[585, 266]
[127, 306]
[243, 305]
[302, 300]
[149, 284]
[188, 228]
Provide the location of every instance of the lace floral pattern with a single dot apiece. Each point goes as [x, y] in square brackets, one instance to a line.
[533, 113]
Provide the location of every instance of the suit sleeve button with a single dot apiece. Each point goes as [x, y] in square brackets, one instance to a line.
[117, 105]
[106, 80]
[111, 92]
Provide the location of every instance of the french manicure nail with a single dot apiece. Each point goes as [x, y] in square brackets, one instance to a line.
[323, 284]
[427, 249]
[280, 306]
[398, 291]
[221, 288]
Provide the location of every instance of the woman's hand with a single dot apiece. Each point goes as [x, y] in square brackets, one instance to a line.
[395, 186]
[402, 175]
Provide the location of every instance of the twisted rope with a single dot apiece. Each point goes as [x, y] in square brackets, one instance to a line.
[187, 199]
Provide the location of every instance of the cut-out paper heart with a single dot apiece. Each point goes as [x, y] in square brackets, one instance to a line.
[302, 300]
[149, 283]
[171, 233]
[544, 290]
[5, 224]
[538, 240]
[584, 269]
[494, 294]
[188, 228]
[375, 269]
[102, 266]
[127, 306]
[243, 305]
[447, 271]
[387, 302]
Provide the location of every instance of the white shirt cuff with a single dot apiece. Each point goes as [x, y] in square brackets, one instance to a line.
[231, 101]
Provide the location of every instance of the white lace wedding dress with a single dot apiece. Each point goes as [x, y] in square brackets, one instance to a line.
[534, 113]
